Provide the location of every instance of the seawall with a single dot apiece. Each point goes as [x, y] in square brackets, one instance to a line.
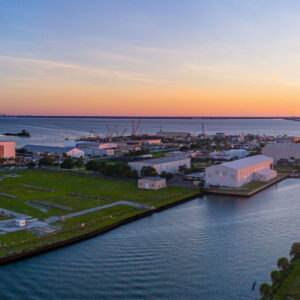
[37, 251]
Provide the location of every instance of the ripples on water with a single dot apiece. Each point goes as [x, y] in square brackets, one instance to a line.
[209, 248]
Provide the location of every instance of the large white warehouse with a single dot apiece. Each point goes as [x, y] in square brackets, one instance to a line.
[239, 172]
[168, 164]
[279, 151]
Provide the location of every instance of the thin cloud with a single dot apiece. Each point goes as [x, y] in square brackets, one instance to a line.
[44, 65]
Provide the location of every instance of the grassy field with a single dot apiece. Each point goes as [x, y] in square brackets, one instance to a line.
[65, 184]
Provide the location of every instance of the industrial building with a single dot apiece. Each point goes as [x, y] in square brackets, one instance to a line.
[287, 139]
[230, 154]
[58, 151]
[152, 183]
[169, 164]
[173, 134]
[97, 149]
[282, 151]
[7, 150]
[242, 171]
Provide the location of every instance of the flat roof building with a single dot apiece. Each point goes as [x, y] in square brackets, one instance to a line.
[282, 151]
[173, 134]
[7, 150]
[169, 164]
[152, 183]
[241, 171]
[40, 149]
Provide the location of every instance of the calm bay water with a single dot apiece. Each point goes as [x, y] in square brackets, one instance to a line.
[54, 131]
[209, 248]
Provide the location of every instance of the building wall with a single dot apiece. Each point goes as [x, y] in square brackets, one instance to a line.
[262, 177]
[222, 175]
[76, 153]
[151, 185]
[171, 166]
[9, 150]
[284, 151]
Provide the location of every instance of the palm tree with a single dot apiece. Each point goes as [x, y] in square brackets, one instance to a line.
[295, 250]
[265, 290]
[283, 263]
[275, 276]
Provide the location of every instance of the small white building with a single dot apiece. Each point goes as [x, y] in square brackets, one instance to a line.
[152, 183]
[97, 149]
[7, 149]
[169, 164]
[242, 171]
[282, 151]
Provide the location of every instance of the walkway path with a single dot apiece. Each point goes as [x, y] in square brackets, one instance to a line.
[83, 212]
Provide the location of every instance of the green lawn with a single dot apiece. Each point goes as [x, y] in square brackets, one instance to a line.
[65, 184]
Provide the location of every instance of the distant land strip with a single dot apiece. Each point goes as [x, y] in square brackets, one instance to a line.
[146, 117]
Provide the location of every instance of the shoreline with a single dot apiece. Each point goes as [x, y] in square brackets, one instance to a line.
[5, 260]
[247, 194]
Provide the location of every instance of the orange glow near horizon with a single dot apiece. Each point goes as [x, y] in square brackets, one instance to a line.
[149, 101]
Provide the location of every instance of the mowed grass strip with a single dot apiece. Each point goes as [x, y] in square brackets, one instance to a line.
[64, 185]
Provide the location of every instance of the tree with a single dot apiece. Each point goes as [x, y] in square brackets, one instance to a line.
[92, 165]
[21, 150]
[46, 161]
[79, 162]
[148, 171]
[265, 290]
[182, 168]
[202, 186]
[30, 165]
[275, 276]
[67, 163]
[167, 175]
[295, 250]
[283, 263]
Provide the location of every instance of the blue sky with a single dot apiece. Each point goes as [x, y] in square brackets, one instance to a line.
[110, 51]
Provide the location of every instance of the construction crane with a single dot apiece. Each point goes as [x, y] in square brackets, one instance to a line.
[124, 131]
[135, 128]
[94, 135]
[110, 131]
[203, 131]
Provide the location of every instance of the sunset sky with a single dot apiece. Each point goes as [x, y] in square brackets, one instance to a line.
[164, 57]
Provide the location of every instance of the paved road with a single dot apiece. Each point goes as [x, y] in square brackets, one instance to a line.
[83, 212]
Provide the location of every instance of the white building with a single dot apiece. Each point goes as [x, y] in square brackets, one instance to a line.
[97, 149]
[279, 151]
[7, 150]
[152, 183]
[169, 164]
[230, 154]
[69, 151]
[239, 172]
[287, 139]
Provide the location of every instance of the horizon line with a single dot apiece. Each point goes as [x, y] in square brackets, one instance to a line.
[148, 117]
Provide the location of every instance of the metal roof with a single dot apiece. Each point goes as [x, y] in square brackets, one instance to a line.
[49, 149]
[161, 160]
[282, 145]
[247, 162]
[265, 171]
[153, 178]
